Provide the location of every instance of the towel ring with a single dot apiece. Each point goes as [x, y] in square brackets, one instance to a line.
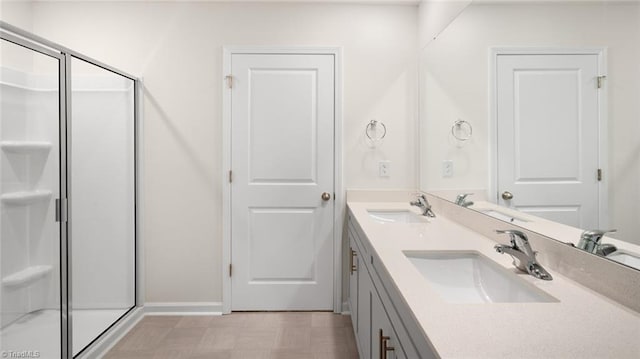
[461, 130]
[371, 126]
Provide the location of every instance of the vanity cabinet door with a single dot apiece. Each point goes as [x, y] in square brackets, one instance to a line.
[365, 293]
[360, 287]
[353, 282]
[384, 340]
[368, 313]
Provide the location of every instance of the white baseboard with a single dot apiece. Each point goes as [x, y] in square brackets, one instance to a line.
[183, 308]
[345, 308]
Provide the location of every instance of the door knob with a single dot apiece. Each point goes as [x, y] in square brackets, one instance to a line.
[326, 196]
[506, 195]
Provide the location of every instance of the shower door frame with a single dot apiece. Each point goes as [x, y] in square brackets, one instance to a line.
[69, 55]
[64, 55]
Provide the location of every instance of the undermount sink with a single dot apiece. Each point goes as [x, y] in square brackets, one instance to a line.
[626, 258]
[470, 277]
[394, 216]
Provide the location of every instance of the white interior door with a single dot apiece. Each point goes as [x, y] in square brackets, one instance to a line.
[548, 137]
[282, 125]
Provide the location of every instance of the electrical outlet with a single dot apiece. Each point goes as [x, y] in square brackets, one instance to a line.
[447, 168]
[384, 168]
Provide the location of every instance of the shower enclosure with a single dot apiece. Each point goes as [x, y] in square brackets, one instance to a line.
[67, 199]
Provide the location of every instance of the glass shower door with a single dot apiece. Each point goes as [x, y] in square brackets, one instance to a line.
[101, 200]
[30, 246]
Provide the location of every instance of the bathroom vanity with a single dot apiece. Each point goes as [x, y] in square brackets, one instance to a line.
[403, 305]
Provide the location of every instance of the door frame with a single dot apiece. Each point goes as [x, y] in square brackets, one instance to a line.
[339, 195]
[603, 145]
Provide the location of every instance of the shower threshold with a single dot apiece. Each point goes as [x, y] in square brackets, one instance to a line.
[87, 325]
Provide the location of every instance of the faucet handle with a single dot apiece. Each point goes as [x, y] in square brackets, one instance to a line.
[590, 239]
[508, 231]
[597, 233]
[519, 241]
[424, 205]
[524, 258]
[461, 198]
[512, 233]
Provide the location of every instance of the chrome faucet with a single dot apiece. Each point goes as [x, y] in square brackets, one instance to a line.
[422, 203]
[590, 242]
[606, 249]
[461, 200]
[524, 258]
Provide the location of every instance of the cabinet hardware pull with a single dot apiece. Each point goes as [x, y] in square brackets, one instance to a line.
[351, 262]
[351, 259]
[383, 345]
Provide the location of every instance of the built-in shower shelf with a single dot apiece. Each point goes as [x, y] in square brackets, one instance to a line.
[25, 147]
[26, 276]
[24, 198]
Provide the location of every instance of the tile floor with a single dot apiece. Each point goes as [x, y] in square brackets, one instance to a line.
[284, 335]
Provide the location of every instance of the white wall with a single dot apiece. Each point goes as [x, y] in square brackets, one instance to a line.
[14, 57]
[435, 15]
[17, 12]
[455, 84]
[177, 49]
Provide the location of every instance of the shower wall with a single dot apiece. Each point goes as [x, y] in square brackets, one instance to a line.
[29, 184]
[29, 234]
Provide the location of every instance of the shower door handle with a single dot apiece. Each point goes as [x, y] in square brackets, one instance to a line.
[61, 210]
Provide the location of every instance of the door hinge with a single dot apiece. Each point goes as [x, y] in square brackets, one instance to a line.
[229, 80]
[599, 174]
[230, 269]
[61, 209]
[601, 81]
[230, 176]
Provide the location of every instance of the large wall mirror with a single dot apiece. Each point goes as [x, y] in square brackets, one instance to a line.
[534, 107]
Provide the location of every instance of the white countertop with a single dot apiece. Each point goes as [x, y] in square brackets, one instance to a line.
[583, 324]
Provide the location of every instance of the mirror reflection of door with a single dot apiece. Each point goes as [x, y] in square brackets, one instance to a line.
[548, 115]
